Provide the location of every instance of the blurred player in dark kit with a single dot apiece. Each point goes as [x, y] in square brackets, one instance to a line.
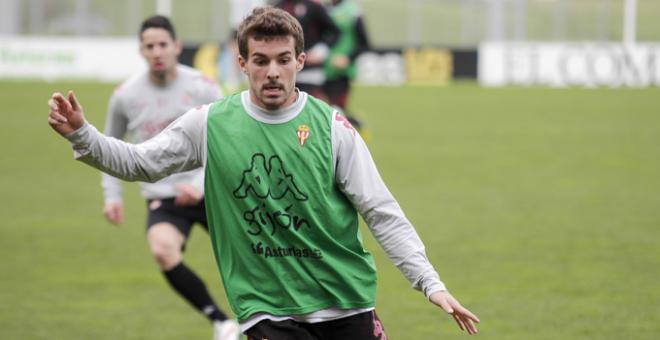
[340, 68]
[320, 34]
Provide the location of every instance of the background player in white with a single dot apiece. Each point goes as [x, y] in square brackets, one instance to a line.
[337, 173]
[141, 107]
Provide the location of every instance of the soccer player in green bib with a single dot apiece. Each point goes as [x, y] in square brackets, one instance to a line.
[286, 176]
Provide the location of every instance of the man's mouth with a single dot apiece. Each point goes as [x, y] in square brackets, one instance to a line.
[272, 89]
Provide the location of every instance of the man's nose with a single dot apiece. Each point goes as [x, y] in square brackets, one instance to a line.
[273, 72]
[157, 51]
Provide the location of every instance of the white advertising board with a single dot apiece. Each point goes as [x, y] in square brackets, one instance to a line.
[569, 64]
[381, 69]
[52, 58]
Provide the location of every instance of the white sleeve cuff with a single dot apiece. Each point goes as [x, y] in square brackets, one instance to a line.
[436, 286]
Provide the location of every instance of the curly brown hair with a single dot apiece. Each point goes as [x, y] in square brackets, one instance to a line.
[266, 23]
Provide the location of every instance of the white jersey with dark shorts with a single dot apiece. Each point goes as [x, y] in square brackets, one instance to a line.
[140, 109]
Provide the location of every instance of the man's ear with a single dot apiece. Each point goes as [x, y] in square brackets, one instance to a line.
[178, 46]
[241, 64]
[301, 61]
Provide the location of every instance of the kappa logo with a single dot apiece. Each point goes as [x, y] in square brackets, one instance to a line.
[268, 180]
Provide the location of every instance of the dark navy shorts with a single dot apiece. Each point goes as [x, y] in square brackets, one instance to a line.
[364, 326]
[183, 218]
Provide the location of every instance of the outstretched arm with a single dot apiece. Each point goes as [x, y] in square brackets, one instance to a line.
[358, 178]
[180, 147]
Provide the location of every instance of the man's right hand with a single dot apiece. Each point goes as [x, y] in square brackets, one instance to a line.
[114, 212]
[464, 318]
[66, 114]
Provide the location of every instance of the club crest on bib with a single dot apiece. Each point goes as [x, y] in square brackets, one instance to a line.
[303, 134]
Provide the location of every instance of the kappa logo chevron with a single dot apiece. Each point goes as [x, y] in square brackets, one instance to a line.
[268, 179]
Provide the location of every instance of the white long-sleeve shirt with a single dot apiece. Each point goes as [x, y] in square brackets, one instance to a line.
[141, 109]
[182, 146]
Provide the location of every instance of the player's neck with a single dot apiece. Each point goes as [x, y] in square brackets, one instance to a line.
[163, 78]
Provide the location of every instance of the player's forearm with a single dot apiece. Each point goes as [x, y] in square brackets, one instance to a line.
[358, 178]
[420, 273]
[112, 188]
[401, 243]
[115, 157]
[393, 231]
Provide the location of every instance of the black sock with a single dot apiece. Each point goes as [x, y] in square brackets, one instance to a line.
[191, 288]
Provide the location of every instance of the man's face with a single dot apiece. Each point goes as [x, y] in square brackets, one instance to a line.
[271, 69]
[160, 51]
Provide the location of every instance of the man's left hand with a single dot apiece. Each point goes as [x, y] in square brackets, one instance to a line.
[188, 195]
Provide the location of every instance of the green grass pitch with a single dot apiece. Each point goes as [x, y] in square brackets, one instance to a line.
[540, 208]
